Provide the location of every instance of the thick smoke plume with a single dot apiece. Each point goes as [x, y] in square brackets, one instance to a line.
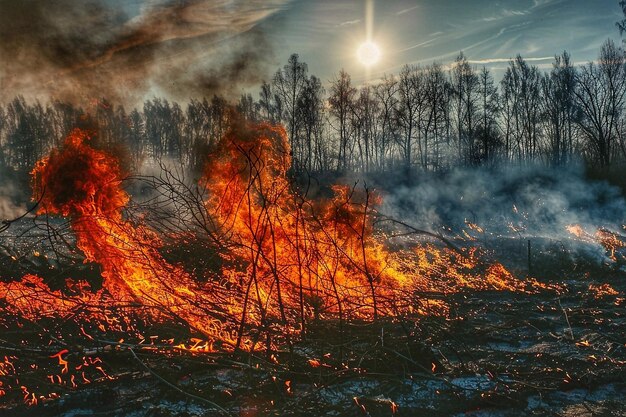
[80, 50]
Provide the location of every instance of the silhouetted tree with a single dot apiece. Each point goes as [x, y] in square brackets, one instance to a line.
[386, 93]
[288, 84]
[489, 108]
[341, 102]
[310, 115]
[600, 97]
[559, 110]
[410, 109]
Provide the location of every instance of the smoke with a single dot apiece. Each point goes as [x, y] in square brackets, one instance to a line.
[516, 202]
[13, 198]
[78, 50]
[9, 207]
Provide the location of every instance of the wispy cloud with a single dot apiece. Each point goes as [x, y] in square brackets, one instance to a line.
[420, 45]
[401, 12]
[504, 14]
[505, 60]
[350, 22]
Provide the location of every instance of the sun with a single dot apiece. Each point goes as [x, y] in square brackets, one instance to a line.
[368, 53]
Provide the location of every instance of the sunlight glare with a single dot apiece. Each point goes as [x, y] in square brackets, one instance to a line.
[368, 53]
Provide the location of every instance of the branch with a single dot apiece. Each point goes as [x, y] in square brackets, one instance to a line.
[169, 384]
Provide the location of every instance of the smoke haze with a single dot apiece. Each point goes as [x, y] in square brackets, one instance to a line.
[79, 50]
[523, 202]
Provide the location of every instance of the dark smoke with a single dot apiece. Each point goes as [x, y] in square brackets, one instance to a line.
[79, 50]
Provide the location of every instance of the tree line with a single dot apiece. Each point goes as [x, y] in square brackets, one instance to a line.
[425, 118]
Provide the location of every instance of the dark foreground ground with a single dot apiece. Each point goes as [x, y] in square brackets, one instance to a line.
[499, 354]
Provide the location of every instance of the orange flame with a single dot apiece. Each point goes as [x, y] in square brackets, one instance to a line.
[291, 257]
[85, 184]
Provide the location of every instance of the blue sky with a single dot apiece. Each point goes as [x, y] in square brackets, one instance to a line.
[326, 32]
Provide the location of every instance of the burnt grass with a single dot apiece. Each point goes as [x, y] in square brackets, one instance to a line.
[497, 354]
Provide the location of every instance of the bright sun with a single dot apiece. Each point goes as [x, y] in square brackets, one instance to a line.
[368, 53]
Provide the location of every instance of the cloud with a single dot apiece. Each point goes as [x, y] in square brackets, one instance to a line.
[350, 22]
[506, 60]
[401, 12]
[80, 49]
[419, 45]
[506, 13]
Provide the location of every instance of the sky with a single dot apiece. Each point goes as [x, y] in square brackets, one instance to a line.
[326, 32]
[130, 50]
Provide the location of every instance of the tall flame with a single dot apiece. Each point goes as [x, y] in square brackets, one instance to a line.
[85, 184]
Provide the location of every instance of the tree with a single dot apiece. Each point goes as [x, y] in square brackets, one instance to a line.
[136, 137]
[247, 108]
[29, 133]
[341, 102]
[409, 110]
[385, 93]
[489, 107]
[289, 83]
[559, 110]
[465, 90]
[365, 123]
[310, 113]
[437, 101]
[600, 97]
[269, 108]
[521, 90]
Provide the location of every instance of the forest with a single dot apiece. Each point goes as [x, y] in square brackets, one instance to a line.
[426, 118]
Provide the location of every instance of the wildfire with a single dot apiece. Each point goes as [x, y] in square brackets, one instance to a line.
[85, 184]
[291, 258]
[611, 241]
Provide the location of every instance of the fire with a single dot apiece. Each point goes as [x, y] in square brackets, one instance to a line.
[62, 361]
[85, 184]
[291, 259]
[322, 257]
[611, 241]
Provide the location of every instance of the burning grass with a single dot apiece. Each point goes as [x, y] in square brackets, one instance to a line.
[283, 265]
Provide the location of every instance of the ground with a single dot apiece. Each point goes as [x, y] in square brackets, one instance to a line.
[558, 352]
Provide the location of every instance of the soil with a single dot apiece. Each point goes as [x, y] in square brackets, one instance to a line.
[560, 353]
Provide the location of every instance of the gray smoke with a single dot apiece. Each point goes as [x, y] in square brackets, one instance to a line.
[84, 49]
[516, 202]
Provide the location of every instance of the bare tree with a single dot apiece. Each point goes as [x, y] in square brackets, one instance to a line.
[341, 102]
[558, 106]
[465, 89]
[521, 89]
[310, 109]
[600, 97]
[411, 99]
[436, 94]
[386, 93]
[489, 108]
[289, 84]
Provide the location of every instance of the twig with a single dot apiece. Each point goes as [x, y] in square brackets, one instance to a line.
[7, 223]
[414, 230]
[569, 325]
[169, 384]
